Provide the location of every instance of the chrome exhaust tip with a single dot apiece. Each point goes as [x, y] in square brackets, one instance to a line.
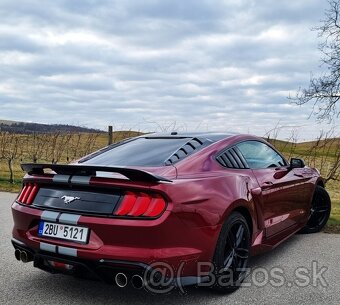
[137, 281]
[17, 254]
[24, 257]
[121, 280]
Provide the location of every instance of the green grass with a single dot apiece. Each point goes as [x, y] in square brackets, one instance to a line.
[5, 186]
[335, 215]
[333, 224]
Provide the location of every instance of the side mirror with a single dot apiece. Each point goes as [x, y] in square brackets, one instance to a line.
[296, 163]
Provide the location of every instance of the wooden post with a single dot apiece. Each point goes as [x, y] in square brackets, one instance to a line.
[110, 136]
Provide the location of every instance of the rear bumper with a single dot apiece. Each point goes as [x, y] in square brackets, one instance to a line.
[104, 269]
[138, 243]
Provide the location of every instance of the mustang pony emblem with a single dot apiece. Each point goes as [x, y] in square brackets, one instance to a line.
[69, 199]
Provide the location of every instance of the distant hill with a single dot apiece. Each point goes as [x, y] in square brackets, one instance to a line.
[29, 128]
[7, 122]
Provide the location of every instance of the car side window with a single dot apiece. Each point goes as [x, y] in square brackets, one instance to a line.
[260, 155]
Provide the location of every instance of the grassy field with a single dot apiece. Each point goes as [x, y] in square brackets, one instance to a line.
[320, 157]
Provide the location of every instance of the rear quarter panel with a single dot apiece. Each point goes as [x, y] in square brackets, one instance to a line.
[207, 199]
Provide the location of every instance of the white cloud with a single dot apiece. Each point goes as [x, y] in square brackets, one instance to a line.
[227, 65]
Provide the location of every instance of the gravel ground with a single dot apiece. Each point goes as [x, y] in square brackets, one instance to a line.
[23, 284]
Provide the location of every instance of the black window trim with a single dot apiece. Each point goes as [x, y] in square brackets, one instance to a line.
[239, 154]
[223, 153]
[270, 146]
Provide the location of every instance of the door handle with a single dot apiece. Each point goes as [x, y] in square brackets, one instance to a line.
[268, 183]
[298, 175]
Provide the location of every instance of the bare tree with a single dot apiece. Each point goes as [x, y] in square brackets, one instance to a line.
[75, 146]
[89, 143]
[36, 145]
[333, 172]
[324, 154]
[58, 146]
[324, 91]
[11, 149]
[61, 147]
[70, 147]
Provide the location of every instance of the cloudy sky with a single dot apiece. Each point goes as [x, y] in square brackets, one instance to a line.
[159, 64]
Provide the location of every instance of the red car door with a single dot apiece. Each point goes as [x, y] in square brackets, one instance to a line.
[283, 198]
[283, 195]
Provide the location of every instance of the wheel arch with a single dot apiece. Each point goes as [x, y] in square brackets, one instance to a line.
[246, 214]
[320, 182]
[247, 210]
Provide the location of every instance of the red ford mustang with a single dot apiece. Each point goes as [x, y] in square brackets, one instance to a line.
[184, 207]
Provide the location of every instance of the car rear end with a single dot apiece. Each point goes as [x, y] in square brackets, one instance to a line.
[112, 223]
[88, 223]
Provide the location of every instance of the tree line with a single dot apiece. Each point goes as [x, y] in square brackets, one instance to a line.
[30, 128]
[59, 147]
[53, 147]
[50, 147]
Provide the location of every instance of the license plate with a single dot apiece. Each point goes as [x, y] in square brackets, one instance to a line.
[62, 231]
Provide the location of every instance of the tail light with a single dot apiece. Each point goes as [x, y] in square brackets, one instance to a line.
[28, 193]
[141, 205]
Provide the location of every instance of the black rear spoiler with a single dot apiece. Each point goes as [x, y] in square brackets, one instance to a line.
[90, 170]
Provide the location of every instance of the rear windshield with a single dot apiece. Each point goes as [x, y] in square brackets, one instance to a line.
[138, 152]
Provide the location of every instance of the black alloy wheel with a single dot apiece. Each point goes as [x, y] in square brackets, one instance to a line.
[319, 212]
[232, 254]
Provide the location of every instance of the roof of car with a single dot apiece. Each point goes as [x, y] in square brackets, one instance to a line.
[155, 149]
[213, 136]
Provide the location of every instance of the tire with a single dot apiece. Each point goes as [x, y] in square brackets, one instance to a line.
[319, 213]
[231, 254]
